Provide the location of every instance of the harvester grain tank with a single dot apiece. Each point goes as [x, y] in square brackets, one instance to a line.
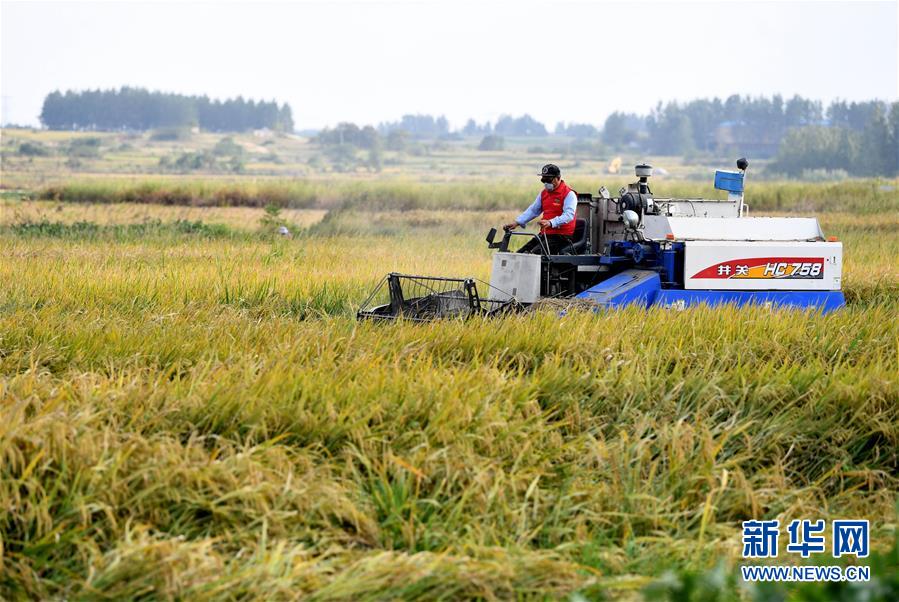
[637, 248]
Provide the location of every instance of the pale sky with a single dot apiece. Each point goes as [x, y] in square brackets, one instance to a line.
[374, 61]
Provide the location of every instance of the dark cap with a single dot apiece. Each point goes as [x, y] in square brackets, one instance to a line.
[550, 171]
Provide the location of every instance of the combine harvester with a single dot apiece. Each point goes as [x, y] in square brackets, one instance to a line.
[644, 250]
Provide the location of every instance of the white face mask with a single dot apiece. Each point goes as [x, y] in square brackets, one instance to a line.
[549, 186]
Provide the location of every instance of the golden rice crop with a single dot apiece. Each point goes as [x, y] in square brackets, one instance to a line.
[201, 417]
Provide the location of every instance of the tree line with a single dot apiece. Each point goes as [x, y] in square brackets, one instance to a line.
[869, 148]
[141, 109]
[799, 134]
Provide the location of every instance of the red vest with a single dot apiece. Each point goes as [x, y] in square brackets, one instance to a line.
[553, 205]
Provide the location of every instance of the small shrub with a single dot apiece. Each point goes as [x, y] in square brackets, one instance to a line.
[226, 147]
[235, 165]
[194, 161]
[492, 143]
[170, 134]
[33, 149]
[418, 150]
[271, 220]
[85, 147]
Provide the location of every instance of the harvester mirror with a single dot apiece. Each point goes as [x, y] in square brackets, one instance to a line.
[490, 236]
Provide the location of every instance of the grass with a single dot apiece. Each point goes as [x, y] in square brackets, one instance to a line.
[859, 196]
[14, 212]
[201, 417]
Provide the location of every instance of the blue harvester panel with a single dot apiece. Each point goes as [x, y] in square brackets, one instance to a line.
[643, 288]
[823, 301]
[630, 286]
[731, 181]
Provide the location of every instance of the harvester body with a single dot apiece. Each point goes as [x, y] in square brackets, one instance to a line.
[656, 252]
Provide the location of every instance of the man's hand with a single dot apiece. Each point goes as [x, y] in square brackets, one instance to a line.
[510, 226]
[545, 223]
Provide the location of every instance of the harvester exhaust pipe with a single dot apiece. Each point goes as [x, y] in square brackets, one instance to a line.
[742, 165]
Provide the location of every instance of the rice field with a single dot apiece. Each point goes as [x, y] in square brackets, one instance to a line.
[194, 413]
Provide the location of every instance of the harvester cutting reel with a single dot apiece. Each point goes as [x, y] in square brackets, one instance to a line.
[424, 298]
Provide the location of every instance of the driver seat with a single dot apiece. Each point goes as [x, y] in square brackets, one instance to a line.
[578, 239]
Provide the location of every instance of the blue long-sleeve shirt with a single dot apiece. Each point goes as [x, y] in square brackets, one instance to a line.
[568, 207]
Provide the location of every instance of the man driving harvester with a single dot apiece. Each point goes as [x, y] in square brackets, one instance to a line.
[557, 202]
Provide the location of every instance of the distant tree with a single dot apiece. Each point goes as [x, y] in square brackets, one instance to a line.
[349, 134]
[397, 139]
[343, 157]
[681, 135]
[817, 147]
[525, 125]
[418, 126]
[893, 150]
[369, 138]
[705, 116]
[140, 109]
[876, 152]
[54, 113]
[801, 111]
[851, 115]
[670, 131]
[576, 130]
[375, 158]
[473, 129]
[616, 131]
[285, 119]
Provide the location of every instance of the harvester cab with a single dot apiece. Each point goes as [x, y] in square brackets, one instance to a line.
[641, 249]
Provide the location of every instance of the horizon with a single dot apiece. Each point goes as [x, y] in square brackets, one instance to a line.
[455, 128]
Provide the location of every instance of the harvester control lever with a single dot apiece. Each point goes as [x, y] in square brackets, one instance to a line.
[502, 245]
